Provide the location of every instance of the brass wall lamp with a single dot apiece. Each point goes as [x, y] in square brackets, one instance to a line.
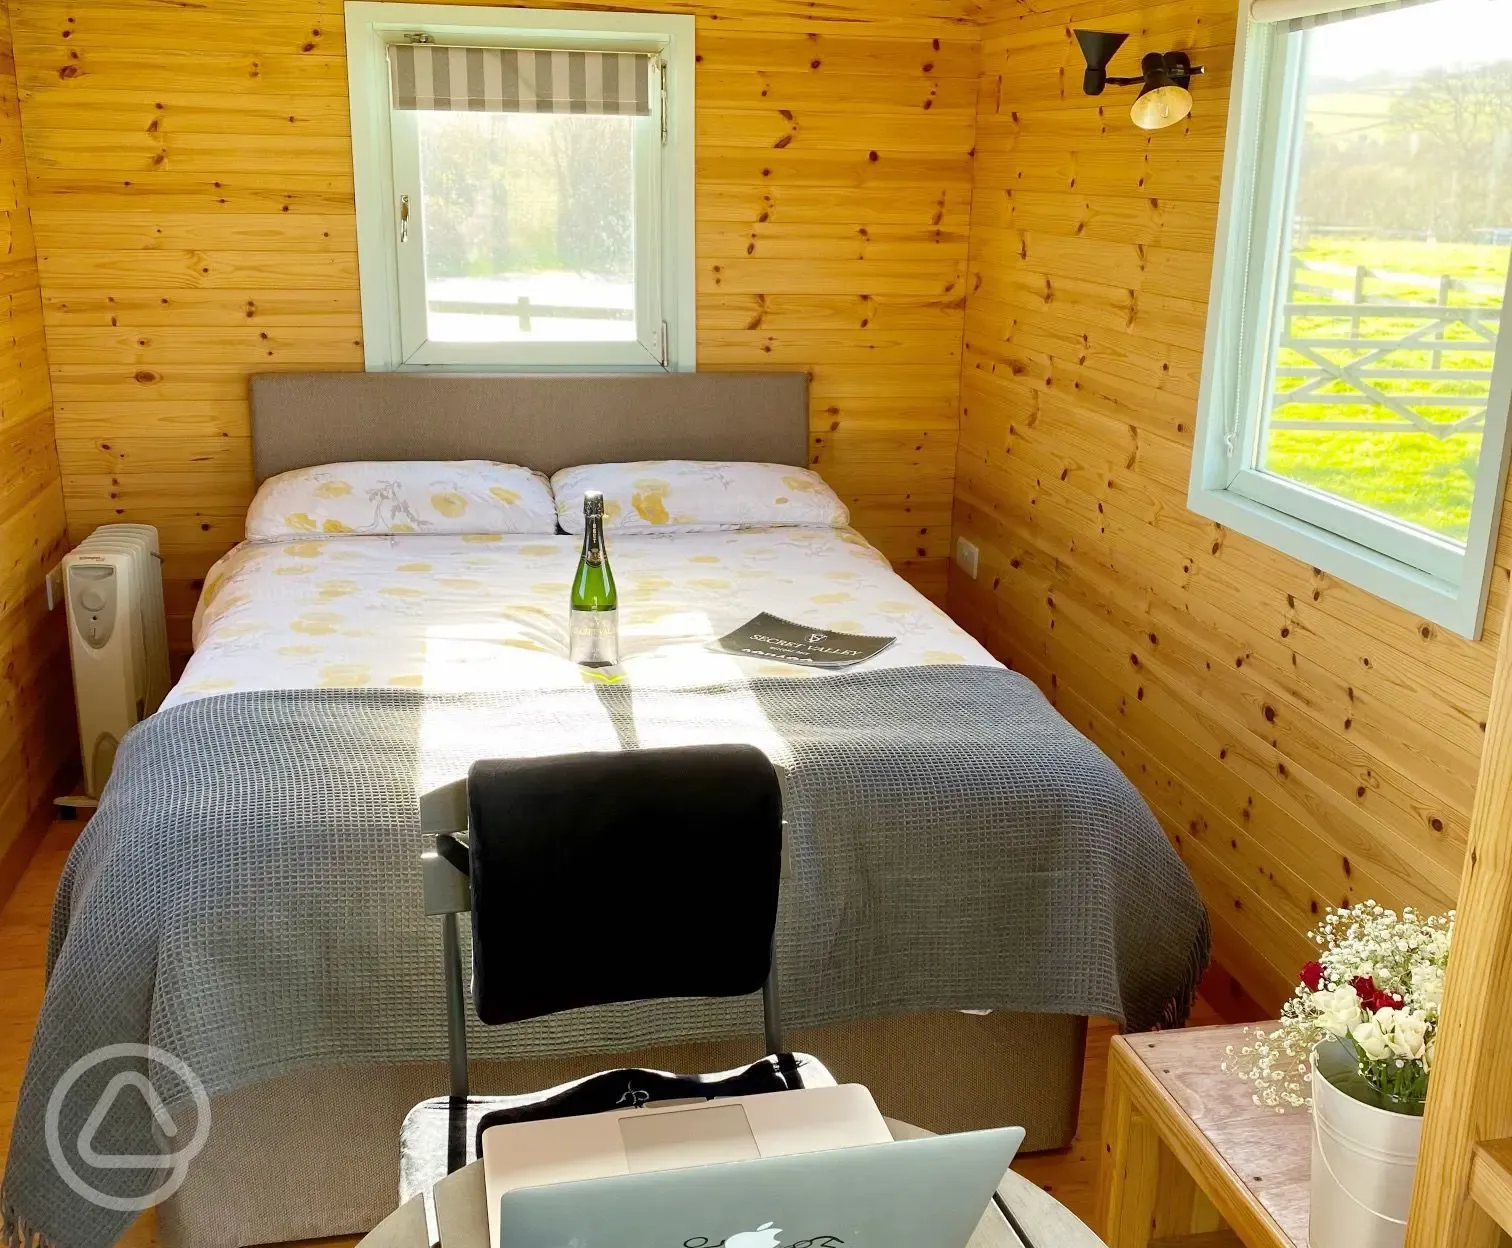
[1164, 79]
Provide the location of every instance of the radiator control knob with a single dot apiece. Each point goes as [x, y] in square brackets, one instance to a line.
[91, 599]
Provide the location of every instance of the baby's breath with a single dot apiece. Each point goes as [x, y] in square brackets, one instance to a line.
[1391, 1031]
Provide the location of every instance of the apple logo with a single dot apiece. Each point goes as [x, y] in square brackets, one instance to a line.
[764, 1236]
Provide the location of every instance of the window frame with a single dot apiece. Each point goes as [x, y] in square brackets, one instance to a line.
[1428, 575]
[385, 153]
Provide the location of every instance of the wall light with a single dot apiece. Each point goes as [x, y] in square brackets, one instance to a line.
[1164, 79]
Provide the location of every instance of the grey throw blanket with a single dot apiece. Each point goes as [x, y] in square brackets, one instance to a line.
[248, 896]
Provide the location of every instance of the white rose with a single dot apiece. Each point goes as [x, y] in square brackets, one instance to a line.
[1428, 985]
[1372, 1043]
[1410, 1034]
[1337, 1010]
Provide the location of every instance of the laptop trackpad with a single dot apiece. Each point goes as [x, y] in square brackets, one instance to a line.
[689, 1137]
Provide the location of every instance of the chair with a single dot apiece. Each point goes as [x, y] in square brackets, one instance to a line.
[624, 843]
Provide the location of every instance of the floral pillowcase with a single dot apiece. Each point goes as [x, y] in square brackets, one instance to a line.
[671, 495]
[420, 496]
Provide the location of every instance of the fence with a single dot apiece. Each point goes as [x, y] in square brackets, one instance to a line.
[1357, 322]
[523, 310]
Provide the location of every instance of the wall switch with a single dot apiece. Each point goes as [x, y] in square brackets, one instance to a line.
[966, 557]
[54, 586]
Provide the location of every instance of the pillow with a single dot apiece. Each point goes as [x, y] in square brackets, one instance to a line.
[686, 495]
[403, 496]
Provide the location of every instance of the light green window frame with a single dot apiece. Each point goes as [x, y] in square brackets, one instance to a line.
[1437, 579]
[386, 159]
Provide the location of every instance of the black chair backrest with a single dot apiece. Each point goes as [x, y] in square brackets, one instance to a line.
[627, 876]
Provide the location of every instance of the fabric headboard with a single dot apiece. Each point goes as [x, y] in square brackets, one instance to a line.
[544, 422]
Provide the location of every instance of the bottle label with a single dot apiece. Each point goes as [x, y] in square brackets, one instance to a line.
[594, 638]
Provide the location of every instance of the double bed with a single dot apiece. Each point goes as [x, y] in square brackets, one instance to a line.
[248, 897]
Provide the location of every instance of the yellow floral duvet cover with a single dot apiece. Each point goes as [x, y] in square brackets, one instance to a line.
[489, 611]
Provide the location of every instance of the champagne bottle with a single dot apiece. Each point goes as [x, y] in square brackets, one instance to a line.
[595, 601]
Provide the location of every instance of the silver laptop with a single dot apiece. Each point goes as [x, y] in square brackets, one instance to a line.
[926, 1193]
[670, 1136]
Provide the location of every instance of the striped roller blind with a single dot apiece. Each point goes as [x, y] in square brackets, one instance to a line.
[519, 80]
[1304, 14]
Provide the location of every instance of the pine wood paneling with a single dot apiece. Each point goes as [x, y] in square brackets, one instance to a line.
[192, 185]
[1462, 1191]
[1304, 743]
[36, 709]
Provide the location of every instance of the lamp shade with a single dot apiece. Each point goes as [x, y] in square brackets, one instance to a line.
[1098, 47]
[1163, 99]
[1160, 106]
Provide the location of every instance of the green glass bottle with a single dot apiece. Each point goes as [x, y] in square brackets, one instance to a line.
[595, 602]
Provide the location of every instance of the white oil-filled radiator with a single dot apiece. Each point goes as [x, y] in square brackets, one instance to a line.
[117, 636]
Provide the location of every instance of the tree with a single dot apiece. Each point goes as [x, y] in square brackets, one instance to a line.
[466, 182]
[1464, 118]
[596, 216]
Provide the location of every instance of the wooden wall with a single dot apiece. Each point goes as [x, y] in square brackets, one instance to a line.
[36, 709]
[192, 189]
[1303, 742]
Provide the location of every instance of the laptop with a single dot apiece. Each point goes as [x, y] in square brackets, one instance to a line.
[675, 1136]
[925, 1193]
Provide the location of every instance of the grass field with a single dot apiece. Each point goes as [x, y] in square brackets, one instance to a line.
[1419, 477]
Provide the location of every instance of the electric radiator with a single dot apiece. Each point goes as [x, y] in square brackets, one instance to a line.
[118, 638]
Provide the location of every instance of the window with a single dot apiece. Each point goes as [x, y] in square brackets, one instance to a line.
[524, 187]
[1356, 387]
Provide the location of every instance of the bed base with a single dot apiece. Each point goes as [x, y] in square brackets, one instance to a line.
[317, 1153]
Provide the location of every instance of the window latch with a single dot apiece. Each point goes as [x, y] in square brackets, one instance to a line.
[404, 218]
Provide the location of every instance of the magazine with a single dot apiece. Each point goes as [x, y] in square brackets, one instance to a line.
[770, 637]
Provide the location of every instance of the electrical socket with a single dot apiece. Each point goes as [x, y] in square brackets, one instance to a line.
[54, 586]
[967, 556]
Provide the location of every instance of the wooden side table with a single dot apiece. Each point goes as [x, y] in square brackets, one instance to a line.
[1189, 1159]
[462, 1219]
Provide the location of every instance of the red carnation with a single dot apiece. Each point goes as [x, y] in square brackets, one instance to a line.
[1386, 1000]
[1312, 976]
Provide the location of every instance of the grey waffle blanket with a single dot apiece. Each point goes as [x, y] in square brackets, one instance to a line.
[248, 896]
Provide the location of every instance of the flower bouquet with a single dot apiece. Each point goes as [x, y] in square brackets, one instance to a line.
[1356, 1043]
[1374, 990]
